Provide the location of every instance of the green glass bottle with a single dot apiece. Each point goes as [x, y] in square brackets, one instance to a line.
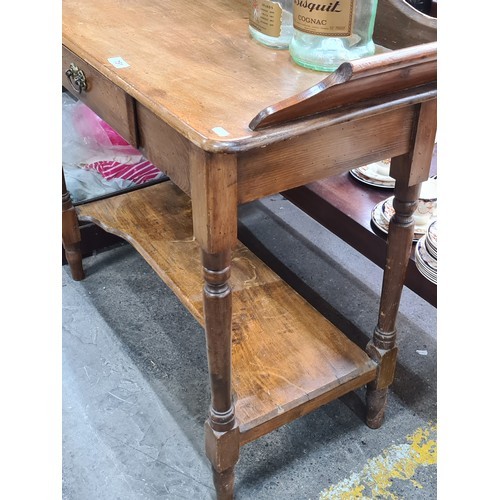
[270, 22]
[328, 33]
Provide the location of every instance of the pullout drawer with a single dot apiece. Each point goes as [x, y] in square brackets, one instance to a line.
[101, 95]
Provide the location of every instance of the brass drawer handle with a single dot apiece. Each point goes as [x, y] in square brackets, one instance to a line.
[76, 78]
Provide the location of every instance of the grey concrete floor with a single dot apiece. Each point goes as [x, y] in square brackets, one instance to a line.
[135, 383]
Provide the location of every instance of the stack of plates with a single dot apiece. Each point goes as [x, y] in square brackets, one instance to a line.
[426, 253]
[432, 239]
[375, 174]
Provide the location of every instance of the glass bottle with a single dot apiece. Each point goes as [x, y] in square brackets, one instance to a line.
[328, 33]
[271, 23]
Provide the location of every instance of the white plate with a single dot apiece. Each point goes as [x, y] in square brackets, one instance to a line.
[426, 259]
[372, 171]
[421, 262]
[423, 271]
[430, 249]
[432, 235]
[386, 184]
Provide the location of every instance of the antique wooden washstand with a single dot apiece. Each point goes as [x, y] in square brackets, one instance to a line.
[231, 122]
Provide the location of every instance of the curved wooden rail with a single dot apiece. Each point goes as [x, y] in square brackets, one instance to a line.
[356, 81]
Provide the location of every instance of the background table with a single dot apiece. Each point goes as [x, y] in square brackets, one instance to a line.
[344, 205]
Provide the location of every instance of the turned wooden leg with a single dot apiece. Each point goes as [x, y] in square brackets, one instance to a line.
[71, 235]
[382, 348]
[221, 433]
[409, 170]
[215, 218]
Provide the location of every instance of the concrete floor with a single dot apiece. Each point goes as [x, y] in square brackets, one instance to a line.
[135, 391]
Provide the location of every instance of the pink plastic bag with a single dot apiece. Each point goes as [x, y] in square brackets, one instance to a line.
[93, 128]
[95, 145]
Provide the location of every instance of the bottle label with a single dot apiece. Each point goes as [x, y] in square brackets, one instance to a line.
[265, 17]
[324, 17]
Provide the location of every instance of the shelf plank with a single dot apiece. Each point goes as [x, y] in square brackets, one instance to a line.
[287, 358]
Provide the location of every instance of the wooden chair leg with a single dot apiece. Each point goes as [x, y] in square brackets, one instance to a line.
[71, 235]
[221, 431]
[382, 348]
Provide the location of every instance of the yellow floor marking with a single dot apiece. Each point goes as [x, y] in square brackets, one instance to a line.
[396, 462]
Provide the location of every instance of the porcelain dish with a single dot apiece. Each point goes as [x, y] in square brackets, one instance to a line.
[425, 263]
[375, 174]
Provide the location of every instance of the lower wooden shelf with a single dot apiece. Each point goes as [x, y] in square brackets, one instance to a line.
[287, 358]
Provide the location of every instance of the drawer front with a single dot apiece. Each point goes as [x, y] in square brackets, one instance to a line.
[101, 95]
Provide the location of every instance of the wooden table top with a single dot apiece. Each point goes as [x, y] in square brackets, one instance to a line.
[193, 64]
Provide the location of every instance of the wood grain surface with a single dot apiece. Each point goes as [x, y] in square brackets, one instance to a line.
[322, 153]
[193, 64]
[287, 358]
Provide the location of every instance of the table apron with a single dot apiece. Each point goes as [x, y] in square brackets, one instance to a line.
[325, 152]
[292, 162]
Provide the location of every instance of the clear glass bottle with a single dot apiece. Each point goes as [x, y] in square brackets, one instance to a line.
[271, 23]
[328, 33]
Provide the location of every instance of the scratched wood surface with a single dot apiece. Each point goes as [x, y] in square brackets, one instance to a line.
[287, 358]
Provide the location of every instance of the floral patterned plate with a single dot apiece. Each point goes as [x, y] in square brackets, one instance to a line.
[382, 223]
[388, 212]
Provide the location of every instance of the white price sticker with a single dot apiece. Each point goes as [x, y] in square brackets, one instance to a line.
[118, 62]
[220, 131]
